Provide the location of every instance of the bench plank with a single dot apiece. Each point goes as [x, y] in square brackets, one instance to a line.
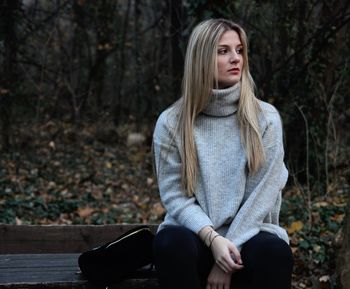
[34, 260]
[36, 239]
[27, 271]
[44, 268]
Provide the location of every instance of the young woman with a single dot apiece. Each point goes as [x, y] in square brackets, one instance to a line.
[219, 161]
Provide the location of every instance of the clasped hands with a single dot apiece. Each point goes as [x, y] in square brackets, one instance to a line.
[225, 253]
[227, 259]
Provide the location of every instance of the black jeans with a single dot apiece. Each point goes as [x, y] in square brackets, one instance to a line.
[183, 261]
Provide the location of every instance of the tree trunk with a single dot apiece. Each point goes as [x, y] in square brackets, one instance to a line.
[176, 53]
[81, 41]
[8, 16]
[104, 30]
[120, 61]
[138, 69]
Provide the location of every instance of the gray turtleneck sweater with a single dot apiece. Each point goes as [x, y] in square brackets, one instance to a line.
[235, 203]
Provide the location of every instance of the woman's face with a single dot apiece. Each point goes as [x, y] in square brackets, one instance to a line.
[229, 59]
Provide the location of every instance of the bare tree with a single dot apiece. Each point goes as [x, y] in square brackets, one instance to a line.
[176, 23]
[8, 17]
[120, 60]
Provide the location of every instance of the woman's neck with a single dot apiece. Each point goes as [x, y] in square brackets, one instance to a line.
[224, 101]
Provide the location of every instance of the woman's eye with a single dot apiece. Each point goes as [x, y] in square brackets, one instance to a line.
[222, 51]
[239, 51]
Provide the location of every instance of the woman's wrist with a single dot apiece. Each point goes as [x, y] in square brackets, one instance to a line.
[212, 240]
[204, 233]
[207, 235]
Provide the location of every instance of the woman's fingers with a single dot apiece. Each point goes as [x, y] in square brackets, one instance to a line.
[236, 255]
[238, 267]
[226, 255]
[228, 265]
[222, 266]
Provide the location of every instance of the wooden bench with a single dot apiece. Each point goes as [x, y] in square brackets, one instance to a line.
[34, 256]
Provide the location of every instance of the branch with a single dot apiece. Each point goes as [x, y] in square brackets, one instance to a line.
[43, 22]
[346, 19]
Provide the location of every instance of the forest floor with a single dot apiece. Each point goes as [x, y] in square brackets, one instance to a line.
[59, 174]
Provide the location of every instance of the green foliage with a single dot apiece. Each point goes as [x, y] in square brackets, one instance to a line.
[314, 229]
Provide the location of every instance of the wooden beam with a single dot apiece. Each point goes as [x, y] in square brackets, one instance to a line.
[29, 271]
[36, 239]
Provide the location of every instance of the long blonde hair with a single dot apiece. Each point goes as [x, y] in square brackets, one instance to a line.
[200, 74]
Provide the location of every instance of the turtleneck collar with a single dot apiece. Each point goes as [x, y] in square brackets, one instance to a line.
[223, 102]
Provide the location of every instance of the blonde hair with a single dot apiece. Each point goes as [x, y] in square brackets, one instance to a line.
[200, 74]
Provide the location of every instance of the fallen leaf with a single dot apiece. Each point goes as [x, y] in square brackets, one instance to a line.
[149, 181]
[52, 145]
[158, 209]
[85, 212]
[321, 204]
[295, 227]
[294, 249]
[125, 187]
[51, 185]
[325, 278]
[18, 221]
[317, 248]
[338, 218]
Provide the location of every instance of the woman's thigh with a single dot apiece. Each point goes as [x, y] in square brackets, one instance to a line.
[267, 261]
[266, 250]
[179, 253]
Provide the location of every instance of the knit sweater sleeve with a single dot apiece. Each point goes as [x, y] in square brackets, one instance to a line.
[183, 209]
[262, 188]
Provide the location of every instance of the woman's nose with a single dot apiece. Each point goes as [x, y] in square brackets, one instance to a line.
[234, 57]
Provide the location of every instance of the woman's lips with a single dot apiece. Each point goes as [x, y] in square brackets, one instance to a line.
[234, 71]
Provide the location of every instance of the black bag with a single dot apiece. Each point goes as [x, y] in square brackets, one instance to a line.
[112, 262]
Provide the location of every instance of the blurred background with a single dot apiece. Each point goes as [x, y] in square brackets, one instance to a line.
[82, 83]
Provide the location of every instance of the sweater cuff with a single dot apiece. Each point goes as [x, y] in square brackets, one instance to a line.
[196, 224]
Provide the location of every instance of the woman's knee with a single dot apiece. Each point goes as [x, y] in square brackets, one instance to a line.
[269, 251]
[279, 253]
[175, 241]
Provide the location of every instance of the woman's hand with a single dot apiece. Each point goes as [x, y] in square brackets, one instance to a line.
[226, 254]
[218, 279]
